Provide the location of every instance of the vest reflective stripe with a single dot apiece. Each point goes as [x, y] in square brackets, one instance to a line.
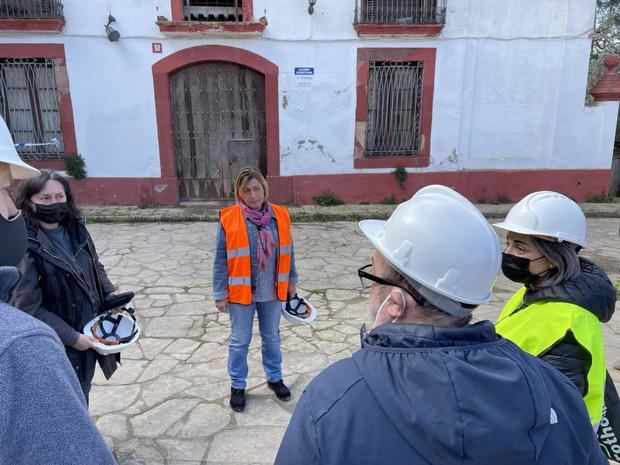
[540, 325]
[239, 257]
[243, 252]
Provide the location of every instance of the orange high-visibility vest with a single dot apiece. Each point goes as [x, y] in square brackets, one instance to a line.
[238, 254]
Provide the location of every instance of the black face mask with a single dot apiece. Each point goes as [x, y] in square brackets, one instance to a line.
[14, 242]
[517, 269]
[50, 214]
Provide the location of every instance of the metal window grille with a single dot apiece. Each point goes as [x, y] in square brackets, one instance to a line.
[394, 108]
[31, 9]
[403, 11]
[29, 105]
[213, 10]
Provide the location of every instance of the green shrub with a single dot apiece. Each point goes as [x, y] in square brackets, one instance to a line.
[76, 166]
[390, 200]
[327, 199]
[600, 198]
[400, 174]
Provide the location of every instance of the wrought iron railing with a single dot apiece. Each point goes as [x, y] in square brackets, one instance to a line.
[213, 10]
[31, 9]
[394, 108]
[29, 105]
[401, 12]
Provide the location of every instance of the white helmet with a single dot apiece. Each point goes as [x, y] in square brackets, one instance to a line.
[547, 214]
[8, 155]
[298, 310]
[114, 331]
[440, 241]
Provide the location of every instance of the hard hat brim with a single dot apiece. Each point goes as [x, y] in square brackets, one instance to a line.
[104, 349]
[372, 230]
[506, 226]
[297, 320]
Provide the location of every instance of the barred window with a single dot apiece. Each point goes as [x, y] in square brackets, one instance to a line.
[403, 11]
[31, 9]
[29, 105]
[394, 108]
[213, 10]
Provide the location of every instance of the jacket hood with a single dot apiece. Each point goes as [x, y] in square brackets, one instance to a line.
[8, 279]
[590, 289]
[457, 395]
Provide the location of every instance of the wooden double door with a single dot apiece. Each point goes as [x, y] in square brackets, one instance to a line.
[218, 125]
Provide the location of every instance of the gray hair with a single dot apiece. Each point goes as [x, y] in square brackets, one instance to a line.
[437, 316]
[563, 255]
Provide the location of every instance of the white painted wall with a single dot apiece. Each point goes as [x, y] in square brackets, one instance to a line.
[509, 87]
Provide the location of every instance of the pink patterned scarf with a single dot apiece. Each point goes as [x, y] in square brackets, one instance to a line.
[261, 219]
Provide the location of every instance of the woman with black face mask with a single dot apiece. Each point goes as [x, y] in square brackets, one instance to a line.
[63, 283]
[557, 314]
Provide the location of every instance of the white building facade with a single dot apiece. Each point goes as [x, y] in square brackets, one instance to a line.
[486, 96]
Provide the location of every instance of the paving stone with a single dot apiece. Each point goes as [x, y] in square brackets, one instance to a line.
[113, 425]
[249, 445]
[153, 423]
[107, 399]
[206, 420]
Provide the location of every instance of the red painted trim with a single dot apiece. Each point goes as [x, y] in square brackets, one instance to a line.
[366, 30]
[477, 186]
[194, 55]
[189, 27]
[364, 56]
[125, 191]
[41, 25]
[63, 91]
[55, 165]
[177, 10]
[32, 50]
[416, 161]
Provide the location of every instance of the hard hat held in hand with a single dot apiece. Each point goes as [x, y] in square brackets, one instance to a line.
[114, 331]
[441, 241]
[298, 311]
[548, 214]
[14, 164]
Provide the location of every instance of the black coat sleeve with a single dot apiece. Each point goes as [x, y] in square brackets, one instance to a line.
[571, 359]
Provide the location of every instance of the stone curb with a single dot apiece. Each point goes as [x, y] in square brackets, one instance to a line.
[299, 214]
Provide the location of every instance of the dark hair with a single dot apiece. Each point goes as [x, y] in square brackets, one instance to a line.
[563, 255]
[437, 316]
[33, 186]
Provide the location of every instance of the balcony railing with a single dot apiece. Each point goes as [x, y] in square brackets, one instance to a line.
[213, 10]
[31, 9]
[402, 12]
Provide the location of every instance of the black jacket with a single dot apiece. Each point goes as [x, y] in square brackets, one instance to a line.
[421, 394]
[55, 292]
[590, 289]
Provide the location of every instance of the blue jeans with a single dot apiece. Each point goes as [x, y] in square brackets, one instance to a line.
[241, 322]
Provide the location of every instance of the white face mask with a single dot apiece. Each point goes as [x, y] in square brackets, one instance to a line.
[402, 295]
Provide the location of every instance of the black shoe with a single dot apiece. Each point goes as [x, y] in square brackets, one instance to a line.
[282, 392]
[237, 399]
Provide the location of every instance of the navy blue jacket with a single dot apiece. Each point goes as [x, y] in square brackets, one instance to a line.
[420, 394]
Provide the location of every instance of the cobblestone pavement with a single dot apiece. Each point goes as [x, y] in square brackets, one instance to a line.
[168, 404]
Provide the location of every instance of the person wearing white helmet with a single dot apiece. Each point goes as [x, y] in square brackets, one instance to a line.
[427, 386]
[44, 417]
[557, 314]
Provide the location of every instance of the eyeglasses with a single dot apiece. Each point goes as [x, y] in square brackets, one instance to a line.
[367, 279]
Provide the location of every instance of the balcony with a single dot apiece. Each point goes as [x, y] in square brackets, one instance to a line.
[227, 18]
[45, 16]
[400, 17]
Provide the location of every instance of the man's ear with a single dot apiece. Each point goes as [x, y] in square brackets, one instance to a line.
[397, 304]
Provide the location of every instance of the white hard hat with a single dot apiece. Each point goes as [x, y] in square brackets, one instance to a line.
[114, 331]
[298, 310]
[547, 214]
[439, 240]
[8, 155]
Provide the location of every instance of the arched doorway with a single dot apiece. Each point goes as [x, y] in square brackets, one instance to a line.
[218, 127]
[199, 79]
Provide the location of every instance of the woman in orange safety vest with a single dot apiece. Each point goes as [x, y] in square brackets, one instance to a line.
[253, 271]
